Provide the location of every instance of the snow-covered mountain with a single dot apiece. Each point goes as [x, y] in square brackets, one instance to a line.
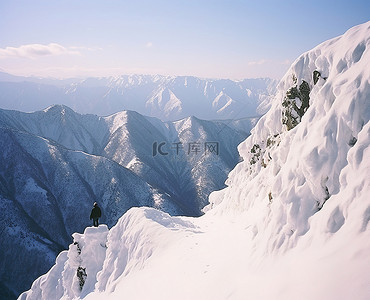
[186, 159]
[164, 97]
[55, 163]
[293, 222]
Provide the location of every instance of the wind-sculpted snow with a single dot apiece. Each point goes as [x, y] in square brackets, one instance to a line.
[87, 265]
[294, 172]
[293, 222]
[78, 266]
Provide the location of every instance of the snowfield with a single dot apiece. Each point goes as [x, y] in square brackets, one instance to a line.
[293, 222]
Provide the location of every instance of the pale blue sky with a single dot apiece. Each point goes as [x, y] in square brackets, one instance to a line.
[217, 39]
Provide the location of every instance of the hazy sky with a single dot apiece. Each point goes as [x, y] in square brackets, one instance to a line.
[215, 39]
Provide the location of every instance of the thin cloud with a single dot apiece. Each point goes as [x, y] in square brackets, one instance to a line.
[36, 50]
[149, 45]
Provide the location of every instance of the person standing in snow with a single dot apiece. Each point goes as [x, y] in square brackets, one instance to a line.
[95, 214]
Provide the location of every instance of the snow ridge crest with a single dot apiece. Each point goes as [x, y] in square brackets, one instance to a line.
[299, 152]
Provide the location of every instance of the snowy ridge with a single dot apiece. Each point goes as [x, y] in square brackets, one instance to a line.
[293, 222]
[55, 163]
[298, 170]
[128, 245]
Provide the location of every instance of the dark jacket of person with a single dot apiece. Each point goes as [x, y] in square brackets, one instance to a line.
[95, 212]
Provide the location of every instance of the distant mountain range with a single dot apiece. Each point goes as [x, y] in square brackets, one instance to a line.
[165, 97]
[55, 163]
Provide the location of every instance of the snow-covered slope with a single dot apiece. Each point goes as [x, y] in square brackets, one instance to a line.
[165, 97]
[292, 223]
[187, 170]
[55, 163]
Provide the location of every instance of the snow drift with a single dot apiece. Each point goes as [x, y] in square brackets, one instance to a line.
[293, 221]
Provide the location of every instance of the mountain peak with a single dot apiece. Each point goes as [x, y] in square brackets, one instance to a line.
[59, 108]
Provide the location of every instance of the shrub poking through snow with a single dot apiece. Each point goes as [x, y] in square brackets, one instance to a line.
[81, 275]
[295, 104]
